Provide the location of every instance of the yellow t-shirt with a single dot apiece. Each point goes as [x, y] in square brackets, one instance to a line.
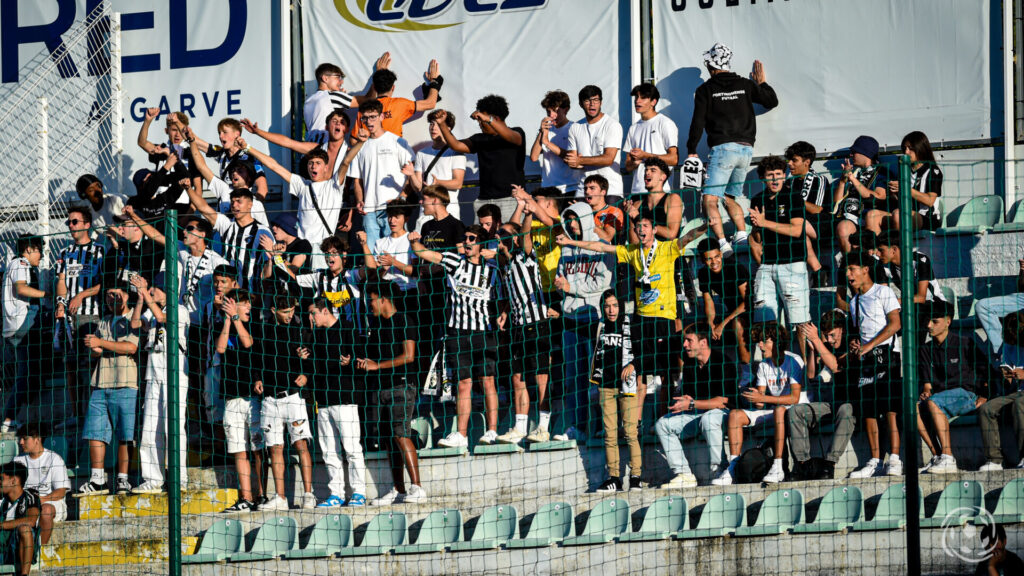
[547, 252]
[655, 293]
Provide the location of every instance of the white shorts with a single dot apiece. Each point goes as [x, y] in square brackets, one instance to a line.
[760, 416]
[288, 412]
[242, 425]
[60, 510]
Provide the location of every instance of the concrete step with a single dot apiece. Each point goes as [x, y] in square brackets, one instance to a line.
[131, 505]
[110, 552]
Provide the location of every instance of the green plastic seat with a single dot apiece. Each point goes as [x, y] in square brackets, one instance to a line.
[891, 513]
[779, 512]
[422, 433]
[1016, 222]
[950, 296]
[841, 507]
[385, 531]
[1010, 506]
[551, 524]
[8, 569]
[8, 450]
[331, 534]
[722, 515]
[223, 539]
[606, 521]
[664, 517]
[959, 502]
[978, 215]
[274, 538]
[497, 525]
[441, 528]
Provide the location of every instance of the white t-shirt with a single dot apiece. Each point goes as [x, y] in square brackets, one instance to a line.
[196, 274]
[113, 205]
[401, 249]
[869, 310]
[592, 140]
[444, 170]
[222, 190]
[17, 316]
[316, 110]
[655, 136]
[46, 473]
[329, 197]
[553, 170]
[378, 165]
[779, 380]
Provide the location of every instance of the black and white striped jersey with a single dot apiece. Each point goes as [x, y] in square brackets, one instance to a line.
[813, 187]
[521, 279]
[82, 267]
[240, 245]
[473, 289]
[343, 292]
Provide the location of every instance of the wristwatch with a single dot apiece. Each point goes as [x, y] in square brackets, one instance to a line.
[235, 318]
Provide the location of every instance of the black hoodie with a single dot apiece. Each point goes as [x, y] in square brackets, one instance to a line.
[724, 106]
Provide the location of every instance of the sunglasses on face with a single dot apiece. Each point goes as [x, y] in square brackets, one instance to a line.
[470, 238]
[73, 222]
[191, 229]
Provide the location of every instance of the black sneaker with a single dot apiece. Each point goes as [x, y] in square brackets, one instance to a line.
[635, 484]
[261, 502]
[91, 488]
[611, 485]
[240, 506]
[123, 486]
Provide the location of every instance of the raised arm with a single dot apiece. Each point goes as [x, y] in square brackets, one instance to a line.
[454, 143]
[197, 156]
[278, 139]
[507, 134]
[147, 228]
[143, 139]
[430, 89]
[267, 161]
[593, 246]
[422, 252]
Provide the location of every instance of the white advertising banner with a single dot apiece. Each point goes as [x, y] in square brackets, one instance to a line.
[518, 49]
[840, 69]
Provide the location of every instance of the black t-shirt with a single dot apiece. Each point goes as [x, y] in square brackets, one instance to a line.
[716, 378]
[331, 383]
[274, 357]
[144, 257]
[501, 163]
[927, 179]
[781, 209]
[1011, 565]
[384, 341]
[726, 283]
[844, 380]
[236, 363]
[877, 176]
[282, 282]
[19, 508]
[613, 342]
[439, 236]
[957, 362]
[297, 247]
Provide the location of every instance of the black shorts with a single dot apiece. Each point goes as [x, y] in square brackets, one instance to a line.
[531, 346]
[470, 354]
[876, 390]
[397, 407]
[656, 344]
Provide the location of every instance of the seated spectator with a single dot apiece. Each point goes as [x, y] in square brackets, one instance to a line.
[397, 111]
[926, 288]
[991, 310]
[812, 187]
[615, 376]
[608, 220]
[1001, 562]
[707, 393]
[47, 477]
[861, 197]
[22, 329]
[115, 391]
[19, 515]
[1011, 365]
[439, 165]
[730, 282]
[103, 206]
[552, 143]
[954, 380]
[593, 144]
[778, 383]
[925, 184]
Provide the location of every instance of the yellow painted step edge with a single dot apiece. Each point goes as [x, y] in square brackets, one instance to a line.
[131, 505]
[110, 552]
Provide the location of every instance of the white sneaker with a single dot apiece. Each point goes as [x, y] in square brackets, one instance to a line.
[453, 440]
[489, 437]
[387, 499]
[680, 481]
[513, 436]
[946, 464]
[571, 433]
[308, 501]
[148, 487]
[726, 249]
[415, 495]
[1020, 465]
[275, 503]
[9, 426]
[894, 467]
[928, 466]
[723, 479]
[740, 237]
[538, 435]
[775, 475]
[991, 467]
[872, 468]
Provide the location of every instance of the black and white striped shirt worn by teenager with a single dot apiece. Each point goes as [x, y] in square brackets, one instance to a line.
[473, 288]
[240, 245]
[813, 187]
[341, 291]
[521, 278]
[81, 265]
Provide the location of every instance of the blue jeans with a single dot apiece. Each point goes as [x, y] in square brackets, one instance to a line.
[990, 310]
[955, 402]
[728, 165]
[111, 409]
[375, 224]
[786, 280]
[672, 428]
[577, 348]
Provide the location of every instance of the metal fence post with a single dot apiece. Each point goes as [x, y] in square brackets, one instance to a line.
[174, 463]
[909, 329]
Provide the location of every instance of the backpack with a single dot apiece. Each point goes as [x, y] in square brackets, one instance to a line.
[754, 464]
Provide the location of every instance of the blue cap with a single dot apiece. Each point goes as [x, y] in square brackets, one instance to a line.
[287, 222]
[139, 178]
[865, 145]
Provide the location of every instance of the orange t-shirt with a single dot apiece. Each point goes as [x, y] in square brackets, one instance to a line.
[396, 112]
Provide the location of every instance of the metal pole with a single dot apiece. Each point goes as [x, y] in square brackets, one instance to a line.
[43, 168]
[174, 416]
[908, 319]
[116, 113]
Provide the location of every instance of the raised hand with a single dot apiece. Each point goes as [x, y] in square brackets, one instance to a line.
[758, 73]
[250, 126]
[152, 113]
[433, 70]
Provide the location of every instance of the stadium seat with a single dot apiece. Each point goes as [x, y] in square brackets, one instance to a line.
[664, 517]
[691, 248]
[275, 537]
[978, 215]
[606, 521]
[1010, 506]
[8, 450]
[385, 531]
[331, 534]
[1015, 223]
[841, 507]
[422, 433]
[779, 512]
[440, 528]
[950, 295]
[965, 498]
[722, 515]
[223, 539]
[551, 524]
[497, 525]
[891, 513]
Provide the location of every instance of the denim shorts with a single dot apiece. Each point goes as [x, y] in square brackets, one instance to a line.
[955, 402]
[110, 409]
[728, 165]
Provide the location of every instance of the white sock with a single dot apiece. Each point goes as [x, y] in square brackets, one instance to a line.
[99, 476]
[722, 242]
[777, 463]
[521, 421]
[122, 476]
[545, 419]
[894, 457]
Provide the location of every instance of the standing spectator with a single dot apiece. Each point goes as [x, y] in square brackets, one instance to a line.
[157, 191]
[440, 234]
[925, 184]
[396, 260]
[103, 206]
[390, 347]
[216, 371]
[115, 391]
[339, 155]
[653, 136]
[131, 253]
[396, 111]
[231, 153]
[439, 165]
[330, 350]
[1011, 366]
[990, 311]
[545, 224]
[709, 392]
[867, 242]
[724, 108]
[19, 514]
[175, 144]
[955, 379]
[813, 187]
[875, 315]
[666, 207]
[551, 144]
[378, 171]
[730, 282]
[22, 333]
[608, 220]
[594, 144]
[330, 98]
[500, 151]
[47, 476]
[339, 287]
[235, 176]
[287, 251]
[861, 197]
